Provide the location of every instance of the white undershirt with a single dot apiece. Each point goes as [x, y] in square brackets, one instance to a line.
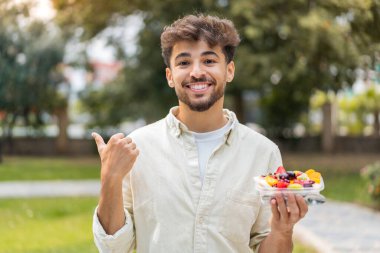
[206, 144]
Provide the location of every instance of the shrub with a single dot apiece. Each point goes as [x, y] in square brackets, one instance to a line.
[372, 173]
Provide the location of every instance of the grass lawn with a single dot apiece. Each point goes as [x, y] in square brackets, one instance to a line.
[61, 225]
[341, 172]
[40, 168]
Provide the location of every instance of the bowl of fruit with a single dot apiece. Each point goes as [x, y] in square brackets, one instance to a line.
[308, 184]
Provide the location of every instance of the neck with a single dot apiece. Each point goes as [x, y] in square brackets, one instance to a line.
[205, 121]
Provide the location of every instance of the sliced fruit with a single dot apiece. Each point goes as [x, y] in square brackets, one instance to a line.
[310, 171]
[315, 176]
[282, 184]
[303, 176]
[280, 170]
[295, 186]
[270, 180]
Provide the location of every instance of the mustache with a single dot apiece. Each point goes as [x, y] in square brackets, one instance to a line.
[198, 80]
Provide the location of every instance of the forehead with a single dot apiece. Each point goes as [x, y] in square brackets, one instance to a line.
[194, 48]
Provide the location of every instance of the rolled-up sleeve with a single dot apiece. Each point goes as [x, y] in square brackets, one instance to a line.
[261, 228]
[122, 241]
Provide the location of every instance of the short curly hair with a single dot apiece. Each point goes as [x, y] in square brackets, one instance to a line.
[212, 29]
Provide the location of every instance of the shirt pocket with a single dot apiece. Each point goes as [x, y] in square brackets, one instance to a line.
[238, 215]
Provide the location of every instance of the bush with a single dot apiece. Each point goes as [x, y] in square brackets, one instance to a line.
[372, 173]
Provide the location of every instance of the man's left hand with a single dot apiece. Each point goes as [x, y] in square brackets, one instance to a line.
[285, 215]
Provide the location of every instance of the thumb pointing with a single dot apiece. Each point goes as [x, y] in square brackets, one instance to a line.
[99, 141]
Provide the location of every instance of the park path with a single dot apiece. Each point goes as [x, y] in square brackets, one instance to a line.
[334, 227]
[64, 188]
[339, 227]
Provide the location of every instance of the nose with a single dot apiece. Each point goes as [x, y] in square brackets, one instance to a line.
[197, 71]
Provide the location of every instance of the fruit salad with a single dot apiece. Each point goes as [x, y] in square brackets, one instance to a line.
[308, 184]
[291, 179]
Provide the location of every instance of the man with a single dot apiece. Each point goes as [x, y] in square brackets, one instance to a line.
[189, 185]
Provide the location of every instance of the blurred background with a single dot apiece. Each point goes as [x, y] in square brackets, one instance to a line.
[307, 76]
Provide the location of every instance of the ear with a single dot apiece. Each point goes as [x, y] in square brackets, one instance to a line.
[230, 71]
[169, 77]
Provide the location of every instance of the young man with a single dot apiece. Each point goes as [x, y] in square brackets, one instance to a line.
[189, 185]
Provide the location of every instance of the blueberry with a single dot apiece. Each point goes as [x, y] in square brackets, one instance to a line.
[284, 176]
[291, 175]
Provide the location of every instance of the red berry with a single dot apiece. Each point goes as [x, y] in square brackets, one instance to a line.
[282, 184]
[280, 170]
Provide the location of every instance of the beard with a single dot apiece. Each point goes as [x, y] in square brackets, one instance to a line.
[202, 103]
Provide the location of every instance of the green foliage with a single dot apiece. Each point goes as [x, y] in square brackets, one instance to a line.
[289, 49]
[369, 101]
[30, 54]
[141, 90]
[371, 173]
[296, 47]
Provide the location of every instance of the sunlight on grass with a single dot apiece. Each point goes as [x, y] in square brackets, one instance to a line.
[40, 168]
[47, 225]
[302, 248]
[61, 225]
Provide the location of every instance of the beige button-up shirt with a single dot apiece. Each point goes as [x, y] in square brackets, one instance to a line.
[169, 210]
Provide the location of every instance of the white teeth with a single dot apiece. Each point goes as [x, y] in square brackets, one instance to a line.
[198, 86]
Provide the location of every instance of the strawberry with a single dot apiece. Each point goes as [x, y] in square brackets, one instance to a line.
[282, 184]
[280, 170]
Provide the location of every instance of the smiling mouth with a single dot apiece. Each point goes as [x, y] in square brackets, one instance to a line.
[198, 86]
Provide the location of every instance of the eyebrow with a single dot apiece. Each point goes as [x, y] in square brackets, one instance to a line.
[210, 53]
[185, 54]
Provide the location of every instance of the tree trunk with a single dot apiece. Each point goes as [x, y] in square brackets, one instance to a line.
[239, 106]
[62, 143]
[376, 124]
[328, 127]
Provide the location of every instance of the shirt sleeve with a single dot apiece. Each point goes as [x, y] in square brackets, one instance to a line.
[122, 241]
[261, 228]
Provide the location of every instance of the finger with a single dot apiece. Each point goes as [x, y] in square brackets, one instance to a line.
[131, 146]
[293, 207]
[116, 137]
[275, 212]
[282, 206]
[100, 144]
[127, 139]
[302, 206]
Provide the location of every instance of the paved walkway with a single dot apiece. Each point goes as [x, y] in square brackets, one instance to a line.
[337, 227]
[333, 227]
[57, 188]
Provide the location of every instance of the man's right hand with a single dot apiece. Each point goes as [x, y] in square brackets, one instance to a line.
[117, 159]
[117, 156]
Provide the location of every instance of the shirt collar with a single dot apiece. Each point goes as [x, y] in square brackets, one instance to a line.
[177, 127]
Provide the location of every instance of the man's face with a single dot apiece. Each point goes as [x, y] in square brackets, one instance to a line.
[199, 74]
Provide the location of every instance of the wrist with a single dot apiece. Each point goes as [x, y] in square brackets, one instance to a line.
[282, 234]
[108, 176]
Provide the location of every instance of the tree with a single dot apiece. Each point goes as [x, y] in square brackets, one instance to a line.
[141, 89]
[30, 56]
[288, 50]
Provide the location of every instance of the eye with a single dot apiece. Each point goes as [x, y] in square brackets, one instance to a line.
[183, 63]
[209, 61]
